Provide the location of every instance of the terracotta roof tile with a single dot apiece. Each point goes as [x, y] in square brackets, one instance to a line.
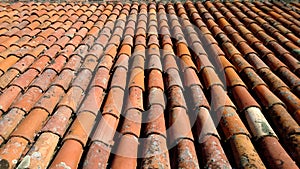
[106, 81]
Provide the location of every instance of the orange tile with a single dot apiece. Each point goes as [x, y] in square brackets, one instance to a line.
[126, 153]
[69, 155]
[11, 152]
[81, 128]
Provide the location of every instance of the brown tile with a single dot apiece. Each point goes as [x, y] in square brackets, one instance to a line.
[273, 150]
[242, 148]
[294, 149]
[282, 120]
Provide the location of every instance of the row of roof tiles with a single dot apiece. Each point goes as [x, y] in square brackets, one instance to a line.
[211, 79]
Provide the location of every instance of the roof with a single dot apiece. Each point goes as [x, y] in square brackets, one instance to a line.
[176, 85]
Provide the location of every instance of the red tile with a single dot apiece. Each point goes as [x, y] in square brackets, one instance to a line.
[176, 97]
[64, 79]
[25, 79]
[59, 121]
[93, 100]
[82, 79]
[45, 79]
[191, 78]
[154, 63]
[97, 156]
[173, 79]
[267, 145]
[49, 100]
[266, 97]
[40, 63]
[213, 154]
[186, 155]
[155, 152]
[169, 62]
[132, 122]
[28, 99]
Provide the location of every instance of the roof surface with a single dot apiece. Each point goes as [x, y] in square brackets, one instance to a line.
[176, 85]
